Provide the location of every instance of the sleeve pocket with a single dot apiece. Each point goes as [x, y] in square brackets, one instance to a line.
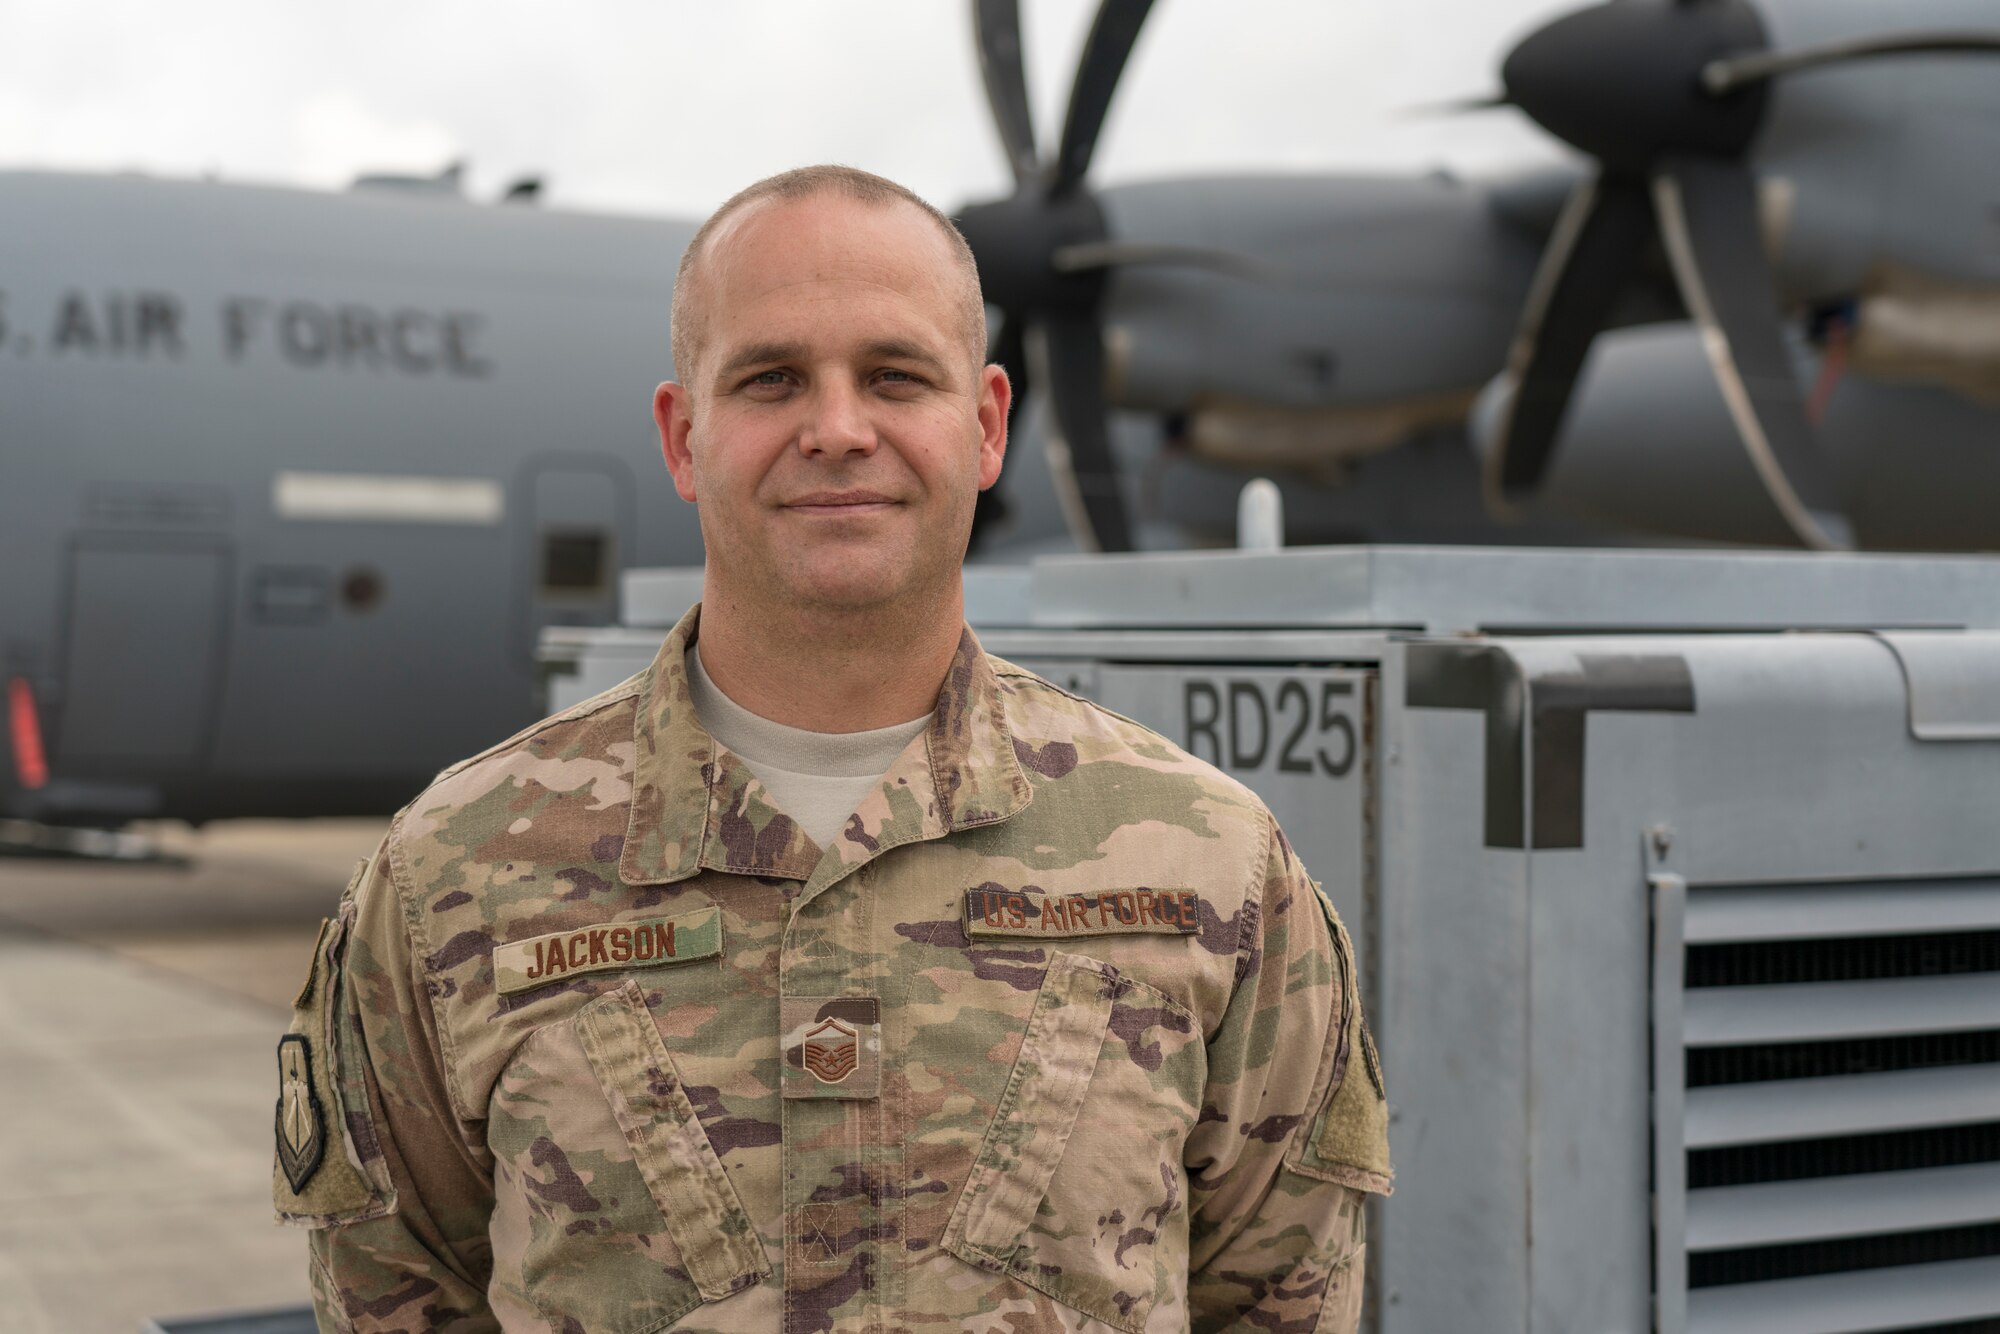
[1347, 1140]
[328, 1165]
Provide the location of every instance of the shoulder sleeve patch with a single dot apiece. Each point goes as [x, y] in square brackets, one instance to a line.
[328, 1166]
[1348, 1139]
[301, 1119]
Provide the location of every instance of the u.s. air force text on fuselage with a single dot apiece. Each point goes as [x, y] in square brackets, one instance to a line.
[308, 334]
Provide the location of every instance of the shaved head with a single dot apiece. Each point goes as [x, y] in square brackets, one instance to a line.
[689, 321]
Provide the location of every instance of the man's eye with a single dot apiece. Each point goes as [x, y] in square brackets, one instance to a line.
[899, 377]
[768, 378]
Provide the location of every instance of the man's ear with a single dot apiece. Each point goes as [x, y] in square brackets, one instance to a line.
[673, 414]
[994, 396]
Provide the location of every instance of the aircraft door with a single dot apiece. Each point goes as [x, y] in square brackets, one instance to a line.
[144, 655]
[579, 514]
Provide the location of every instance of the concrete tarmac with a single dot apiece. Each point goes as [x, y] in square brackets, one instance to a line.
[140, 1008]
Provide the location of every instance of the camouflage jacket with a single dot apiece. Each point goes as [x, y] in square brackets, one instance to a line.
[1057, 1035]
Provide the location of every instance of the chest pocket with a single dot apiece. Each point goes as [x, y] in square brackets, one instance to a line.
[1078, 1190]
[624, 1217]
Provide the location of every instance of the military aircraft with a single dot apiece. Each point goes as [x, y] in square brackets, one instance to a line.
[291, 481]
[1321, 321]
[275, 459]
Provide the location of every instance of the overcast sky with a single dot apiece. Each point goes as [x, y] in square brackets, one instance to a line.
[667, 106]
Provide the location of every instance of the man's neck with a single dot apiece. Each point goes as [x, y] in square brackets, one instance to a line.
[830, 671]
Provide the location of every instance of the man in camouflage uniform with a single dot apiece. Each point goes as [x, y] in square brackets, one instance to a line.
[1053, 1033]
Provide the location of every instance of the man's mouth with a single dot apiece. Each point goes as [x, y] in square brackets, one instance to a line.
[841, 502]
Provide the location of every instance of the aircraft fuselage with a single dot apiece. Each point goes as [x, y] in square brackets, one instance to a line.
[280, 471]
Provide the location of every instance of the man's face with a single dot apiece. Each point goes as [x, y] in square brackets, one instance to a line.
[836, 429]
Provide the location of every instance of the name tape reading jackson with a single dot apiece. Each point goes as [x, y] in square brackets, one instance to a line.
[522, 965]
[1111, 912]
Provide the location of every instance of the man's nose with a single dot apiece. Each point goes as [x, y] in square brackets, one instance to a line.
[839, 423]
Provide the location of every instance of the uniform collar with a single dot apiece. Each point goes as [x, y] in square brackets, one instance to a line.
[696, 806]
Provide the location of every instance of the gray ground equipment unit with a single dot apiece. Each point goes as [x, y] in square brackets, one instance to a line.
[1677, 877]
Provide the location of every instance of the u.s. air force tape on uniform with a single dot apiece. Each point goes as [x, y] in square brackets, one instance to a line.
[522, 965]
[993, 911]
[328, 1164]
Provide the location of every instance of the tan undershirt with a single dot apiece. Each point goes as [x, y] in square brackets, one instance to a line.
[817, 778]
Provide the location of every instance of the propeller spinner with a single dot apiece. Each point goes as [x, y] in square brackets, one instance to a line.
[1668, 95]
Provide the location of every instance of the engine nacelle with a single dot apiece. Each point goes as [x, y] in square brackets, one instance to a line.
[1648, 442]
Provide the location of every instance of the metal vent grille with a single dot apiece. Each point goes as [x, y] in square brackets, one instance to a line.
[1827, 1106]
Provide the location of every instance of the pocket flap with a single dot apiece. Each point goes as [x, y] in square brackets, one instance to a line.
[1038, 1110]
[704, 1215]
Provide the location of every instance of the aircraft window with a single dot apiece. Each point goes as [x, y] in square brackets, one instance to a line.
[290, 594]
[361, 589]
[575, 560]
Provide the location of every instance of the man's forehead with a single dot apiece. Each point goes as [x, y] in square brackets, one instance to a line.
[779, 277]
[830, 238]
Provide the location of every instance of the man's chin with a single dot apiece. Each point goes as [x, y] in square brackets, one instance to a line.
[856, 588]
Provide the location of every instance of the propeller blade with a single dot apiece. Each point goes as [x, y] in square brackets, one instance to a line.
[1599, 242]
[997, 24]
[1455, 106]
[1071, 364]
[1730, 73]
[1707, 208]
[1083, 256]
[1112, 34]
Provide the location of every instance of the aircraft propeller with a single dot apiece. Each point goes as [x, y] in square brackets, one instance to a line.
[1043, 254]
[1667, 96]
